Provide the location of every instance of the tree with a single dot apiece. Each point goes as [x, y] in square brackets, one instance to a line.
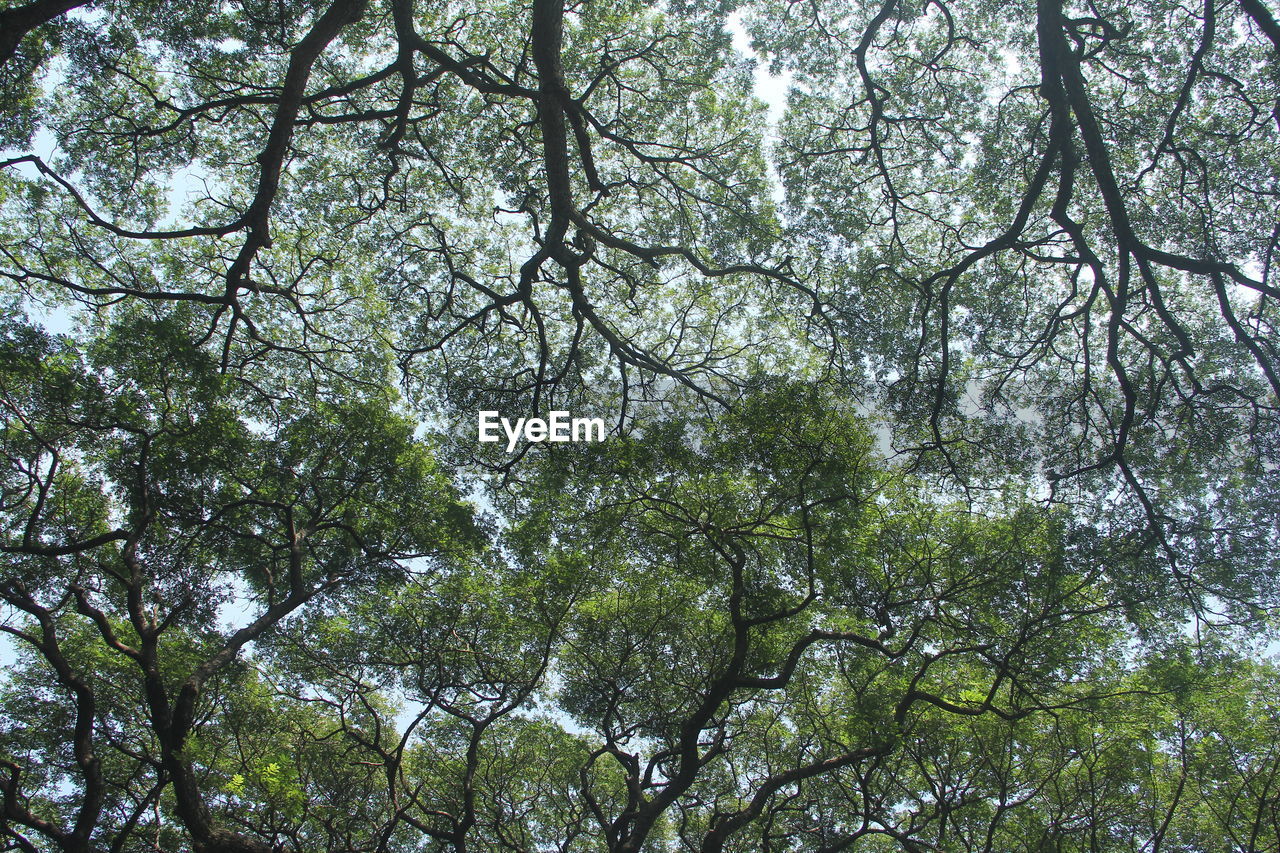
[140, 502]
[1071, 209]
[265, 591]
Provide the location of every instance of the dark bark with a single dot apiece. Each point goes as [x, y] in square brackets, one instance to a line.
[17, 22]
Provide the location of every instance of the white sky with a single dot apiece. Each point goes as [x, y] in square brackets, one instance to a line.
[770, 88]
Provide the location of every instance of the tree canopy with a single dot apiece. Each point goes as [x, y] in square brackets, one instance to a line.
[938, 503]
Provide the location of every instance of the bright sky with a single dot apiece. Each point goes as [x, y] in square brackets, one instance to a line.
[770, 88]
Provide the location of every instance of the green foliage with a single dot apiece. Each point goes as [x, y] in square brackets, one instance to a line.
[939, 500]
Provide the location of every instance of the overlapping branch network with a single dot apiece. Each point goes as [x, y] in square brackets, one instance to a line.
[1072, 209]
[430, 154]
